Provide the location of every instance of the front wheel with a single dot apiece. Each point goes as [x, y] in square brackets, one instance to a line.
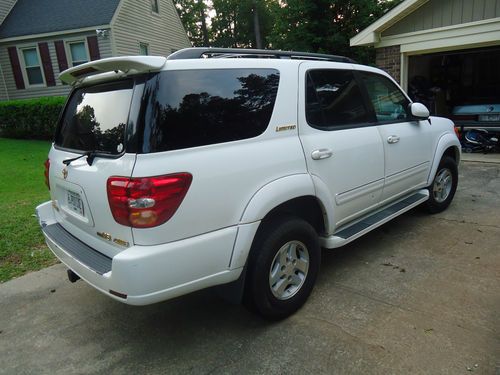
[282, 268]
[443, 186]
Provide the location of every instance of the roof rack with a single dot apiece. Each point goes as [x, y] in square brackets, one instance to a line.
[208, 52]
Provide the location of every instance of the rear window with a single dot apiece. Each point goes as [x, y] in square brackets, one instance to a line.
[201, 107]
[95, 118]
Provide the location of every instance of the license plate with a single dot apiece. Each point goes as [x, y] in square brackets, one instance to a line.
[489, 117]
[75, 203]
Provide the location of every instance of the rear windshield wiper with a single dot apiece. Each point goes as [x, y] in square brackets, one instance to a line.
[89, 154]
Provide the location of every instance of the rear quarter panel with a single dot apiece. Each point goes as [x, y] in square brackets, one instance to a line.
[227, 175]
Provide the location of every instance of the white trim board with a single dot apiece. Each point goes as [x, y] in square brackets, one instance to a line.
[55, 33]
[481, 31]
[371, 34]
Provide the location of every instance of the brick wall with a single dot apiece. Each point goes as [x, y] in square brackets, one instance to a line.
[389, 59]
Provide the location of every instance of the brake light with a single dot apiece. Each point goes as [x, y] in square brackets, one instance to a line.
[46, 172]
[146, 202]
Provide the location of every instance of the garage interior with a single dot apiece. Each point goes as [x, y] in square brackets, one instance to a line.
[463, 85]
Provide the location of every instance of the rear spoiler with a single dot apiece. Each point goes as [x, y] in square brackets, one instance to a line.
[124, 64]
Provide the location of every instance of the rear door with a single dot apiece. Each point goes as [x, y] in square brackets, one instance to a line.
[343, 148]
[407, 142]
[94, 120]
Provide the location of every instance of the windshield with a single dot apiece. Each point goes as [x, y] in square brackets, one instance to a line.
[95, 118]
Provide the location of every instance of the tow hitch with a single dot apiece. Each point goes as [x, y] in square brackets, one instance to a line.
[73, 277]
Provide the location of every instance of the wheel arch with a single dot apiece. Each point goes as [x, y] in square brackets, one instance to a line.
[448, 145]
[288, 196]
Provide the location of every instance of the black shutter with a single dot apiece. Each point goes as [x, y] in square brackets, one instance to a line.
[93, 48]
[16, 68]
[62, 61]
[46, 64]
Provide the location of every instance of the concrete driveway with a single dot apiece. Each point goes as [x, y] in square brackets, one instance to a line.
[420, 295]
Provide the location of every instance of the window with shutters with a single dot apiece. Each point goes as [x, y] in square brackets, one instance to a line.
[33, 74]
[78, 52]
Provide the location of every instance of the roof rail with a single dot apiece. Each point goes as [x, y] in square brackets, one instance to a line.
[209, 52]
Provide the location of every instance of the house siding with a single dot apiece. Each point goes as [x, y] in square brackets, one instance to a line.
[442, 13]
[135, 23]
[59, 89]
[5, 7]
[3, 88]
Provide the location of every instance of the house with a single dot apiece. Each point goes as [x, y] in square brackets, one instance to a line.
[41, 38]
[445, 52]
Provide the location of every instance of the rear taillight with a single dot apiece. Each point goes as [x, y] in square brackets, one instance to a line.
[46, 172]
[146, 202]
[457, 132]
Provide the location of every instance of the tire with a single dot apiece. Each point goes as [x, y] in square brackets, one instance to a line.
[443, 187]
[283, 266]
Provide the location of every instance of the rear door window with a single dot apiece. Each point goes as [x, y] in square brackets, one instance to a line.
[334, 100]
[193, 108]
[95, 118]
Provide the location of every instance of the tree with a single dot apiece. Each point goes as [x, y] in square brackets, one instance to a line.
[241, 23]
[193, 15]
[325, 26]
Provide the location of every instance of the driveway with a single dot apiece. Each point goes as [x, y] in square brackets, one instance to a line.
[420, 295]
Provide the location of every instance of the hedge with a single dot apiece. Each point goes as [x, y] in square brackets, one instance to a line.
[30, 118]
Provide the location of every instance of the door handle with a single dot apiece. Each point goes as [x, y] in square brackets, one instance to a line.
[393, 139]
[322, 153]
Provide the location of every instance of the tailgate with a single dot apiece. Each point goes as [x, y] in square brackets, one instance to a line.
[94, 121]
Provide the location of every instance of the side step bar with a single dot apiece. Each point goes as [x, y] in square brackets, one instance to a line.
[364, 225]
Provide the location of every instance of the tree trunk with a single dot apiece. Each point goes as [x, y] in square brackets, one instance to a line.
[256, 25]
[204, 30]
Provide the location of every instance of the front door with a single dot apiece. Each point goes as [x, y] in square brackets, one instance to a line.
[343, 148]
[407, 144]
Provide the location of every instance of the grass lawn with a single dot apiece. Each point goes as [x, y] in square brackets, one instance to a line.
[22, 188]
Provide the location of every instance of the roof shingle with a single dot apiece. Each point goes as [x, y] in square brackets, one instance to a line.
[31, 17]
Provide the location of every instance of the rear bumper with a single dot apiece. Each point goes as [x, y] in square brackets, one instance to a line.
[145, 274]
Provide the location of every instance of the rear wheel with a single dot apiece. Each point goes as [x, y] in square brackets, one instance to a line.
[443, 186]
[282, 268]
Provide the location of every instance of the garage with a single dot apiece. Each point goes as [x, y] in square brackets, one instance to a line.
[445, 54]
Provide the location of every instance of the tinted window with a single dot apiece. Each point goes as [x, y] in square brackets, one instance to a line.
[333, 99]
[200, 107]
[94, 118]
[389, 103]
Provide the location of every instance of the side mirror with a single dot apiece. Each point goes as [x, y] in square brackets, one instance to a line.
[419, 111]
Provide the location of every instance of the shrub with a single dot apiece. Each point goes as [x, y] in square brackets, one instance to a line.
[30, 118]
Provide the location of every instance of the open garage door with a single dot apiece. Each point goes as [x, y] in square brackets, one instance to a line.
[465, 87]
[462, 85]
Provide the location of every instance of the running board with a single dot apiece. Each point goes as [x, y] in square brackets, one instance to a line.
[372, 221]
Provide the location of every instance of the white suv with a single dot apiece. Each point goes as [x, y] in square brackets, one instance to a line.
[169, 175]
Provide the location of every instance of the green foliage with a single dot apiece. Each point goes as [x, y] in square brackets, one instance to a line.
[22, 188]
[30, 118]
[323, 26]
[326, 26]
[234, 23]
[193, 16]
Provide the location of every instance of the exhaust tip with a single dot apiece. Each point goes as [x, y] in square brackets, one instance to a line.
[73, 277]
